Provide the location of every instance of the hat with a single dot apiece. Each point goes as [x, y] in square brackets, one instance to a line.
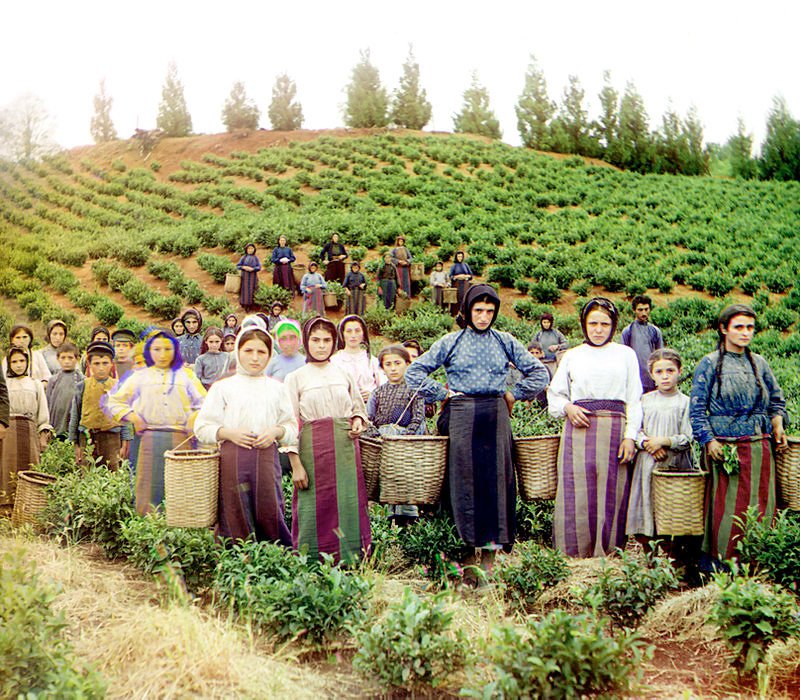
[100, 347]
[124, 335]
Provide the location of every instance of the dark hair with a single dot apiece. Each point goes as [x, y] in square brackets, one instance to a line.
[398, 350]
[97, 330]
[725, 317]
[67, 346]
[641, 299]
[20, 327]
[255, 334]
[664, 354]
[413, 343]
[607, 307]
[211, 330]
[535, 345]
[308, 329]
[13, 350]
[461, 253]
[352, 318]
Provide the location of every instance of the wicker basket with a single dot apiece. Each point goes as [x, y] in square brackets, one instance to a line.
[678, 502]
[449, 295]
[331, 302]
[417, 271]
[233, 283]
[298, 270]
[31, 496]
[787, 468]
[412, 468]
[191, 486]
[536, 461]
[371, 465]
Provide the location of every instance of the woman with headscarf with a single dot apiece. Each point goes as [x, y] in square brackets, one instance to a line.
[480, 481]
[334, 254]
[354, 356]
[248, 265]
[597, 388]
[736, 407]
[387, 281]
[249, 414]
[355, 285]
[276, 310]
[460, 276]
[553, 340]
[312, 287]
[21, 336]
[330, 497]
[401, 257]
[56, 334]
[282, 259]
[288, 357]
[161, 402]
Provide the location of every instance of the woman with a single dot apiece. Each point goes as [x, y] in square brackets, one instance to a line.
[56, 334]
[282, 259]
[312, 287]
[21, 336]
[736, 408]
[460, 276]
[330, 499]
[335, 254]
[597, 388]
[439, 280]
[387, 281]
[355, 285]
[354, 356]
[401, 257]
[552, 339]
[248, 265]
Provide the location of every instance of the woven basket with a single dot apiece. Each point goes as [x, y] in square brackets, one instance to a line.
[331, 302]
[233, 283]
[412, 468]
[536, 461]
[371, 465]
[298, 270]
[449, 295]
[678, 502]
[191, 487]
[417, 271]
[31, 496]
[787, 468]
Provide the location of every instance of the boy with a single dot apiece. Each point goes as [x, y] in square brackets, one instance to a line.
[123, 341]
[62, 387]
[88, 420]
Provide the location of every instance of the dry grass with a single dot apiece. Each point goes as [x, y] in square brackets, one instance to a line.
[683, 616]
[566, 594]
[780, 673]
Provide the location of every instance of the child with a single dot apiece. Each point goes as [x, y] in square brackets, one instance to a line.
[355, 285]
[393, 408]
[56, 334]
[178, 329]
[287, 334]
[354, 356]
[330, 499]
[249, 414]
[28, 427]
[275, 315]
[62, 387]
[312, 286]
[664, 440]
[21, 336]
[439, 280]
[88, 422]
[161, 402]
[212, 362]
[228, 341]
[191, 340]
[99, 333]
[123, 341]
[231, 324]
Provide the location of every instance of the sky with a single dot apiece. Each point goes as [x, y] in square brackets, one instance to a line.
[728, 59]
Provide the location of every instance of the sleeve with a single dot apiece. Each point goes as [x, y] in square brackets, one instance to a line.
[702, 384]
[43, 417]
[535, 376]
[304, 283]
[75, 414]
[658, 338]
[118, 401]
[211, 416]
[4, 405]
[558, 393]
[240, 263]
[417, 373]
[563, 343]
[372, 406]
[344, 250]
[322, 283]
[377, 372]
[626, 336]
[200, 368]
[195, 391]
[359, 409]
[417, 423]
[275, 257]
[777, 402]
[257, 265]
[633, 397]
[40, 369]
[326, 251]
[291, 256]
[286, 417]
[451, 273]
[469, 270]
[683, 439]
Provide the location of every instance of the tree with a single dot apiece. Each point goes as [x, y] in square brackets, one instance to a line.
[285, 114]
[26, 129]
[410, 108]
[239, 112]
[634, 141]
[475, 116]
[367, 101]
[535, 109]
[606, 128]
[101, 127]
[780, 153]
[173, 116]
[671, 145]
[696, 158]
[740, 151]
[570, 130]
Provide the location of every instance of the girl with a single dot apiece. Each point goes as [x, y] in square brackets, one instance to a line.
[393, 409]
[161, 402]
[249, 414]
[312, 286]
[282, 259]
[401, 257]
[21, 337]
[29, 422]
[275, 315]
[228, 340]
[460, 276]
[329, 512]
[597, 388]
[736, 402]
[664, 440]
[248, 265]
[355, 285]
[191, 341]
[354, 357]
[387, 281]
[335, 254]
[287, 334]
[552, 339]
[56, 334]
[231, 324]
[439, 280]
[178, 329]
[212, 362]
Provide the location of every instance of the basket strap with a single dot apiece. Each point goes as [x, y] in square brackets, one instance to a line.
[177, 447]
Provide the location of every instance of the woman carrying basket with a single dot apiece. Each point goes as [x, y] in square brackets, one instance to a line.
[736, 409]
[480, 483]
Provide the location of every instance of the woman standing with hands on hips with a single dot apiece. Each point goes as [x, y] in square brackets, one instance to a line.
[597, 388]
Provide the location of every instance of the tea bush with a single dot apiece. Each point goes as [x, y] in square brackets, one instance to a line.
[216, 265]
[535, 521]
[58, 458]
[268, 294]
[108, 312]
[433, 544]
[773, 550]
[413, 647]
[533, 568]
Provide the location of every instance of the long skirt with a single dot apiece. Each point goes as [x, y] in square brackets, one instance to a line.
[593, 486]
[147, 465]
[334, 271]
[356, 302]
[389, 289]
[404, 275]
[283, 276]
[247, 291]
[480, 472]
[330, 516]
[250, 494]
[313, 301]
[20, 449]
[729, 496]
[461, 289]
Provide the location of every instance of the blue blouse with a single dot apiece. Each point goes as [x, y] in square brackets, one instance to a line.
[249, 261]
[279, 252]
[190, 347]
[459, 268]
[477, 365]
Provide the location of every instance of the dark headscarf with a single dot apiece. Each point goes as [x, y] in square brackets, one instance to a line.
[607, 307]
[193, 312]
[17, 351]
[97, 330]
[476, 293]
[310, 325]
[547, 316]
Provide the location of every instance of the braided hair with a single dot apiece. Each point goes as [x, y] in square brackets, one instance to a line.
[725, 317]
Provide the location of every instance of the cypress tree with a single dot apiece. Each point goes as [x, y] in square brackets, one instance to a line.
[173, 116]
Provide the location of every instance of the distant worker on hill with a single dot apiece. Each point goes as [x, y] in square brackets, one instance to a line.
[643, 337]
[334, 254]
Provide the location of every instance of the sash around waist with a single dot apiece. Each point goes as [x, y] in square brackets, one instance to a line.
[612, 405]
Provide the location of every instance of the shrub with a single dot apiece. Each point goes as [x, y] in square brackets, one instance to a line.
[132, 254]
[561, 656]
[773, 548]
[523, 577]
[108, 312]
[216, 265]
[545, 291]
[751, 615]
[433, 543]
[101, 269]
[535, 521]
[778, 317]
[413, 646]
[58, 458]
[217, 305]
[424, 321]
[118, 277]
[162, 306]
[136, 291]
[268, 294]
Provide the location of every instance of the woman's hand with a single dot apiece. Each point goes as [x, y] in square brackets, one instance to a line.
[510, 400]
[44, 438]
[656, 444]
[778, 432]
[715, 450]
[299, 473]
[577, 415]
[627, 450]
[552, 348]
[270, 436]
[356, 427]
[242, 438]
